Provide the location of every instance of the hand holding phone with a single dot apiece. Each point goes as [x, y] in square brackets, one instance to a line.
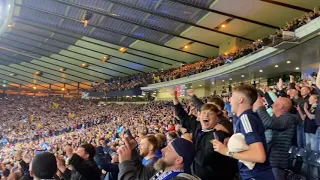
[129, 134]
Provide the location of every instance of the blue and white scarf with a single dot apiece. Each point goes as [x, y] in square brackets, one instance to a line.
[166, 175]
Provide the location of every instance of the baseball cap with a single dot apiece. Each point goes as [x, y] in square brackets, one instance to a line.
[44, 165]
[180, 145]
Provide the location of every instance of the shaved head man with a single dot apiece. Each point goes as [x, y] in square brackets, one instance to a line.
[282, 126]
[281, 106]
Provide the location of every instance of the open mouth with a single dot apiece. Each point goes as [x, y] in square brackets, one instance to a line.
[206, 122]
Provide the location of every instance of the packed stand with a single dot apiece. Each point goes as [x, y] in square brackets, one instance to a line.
[186, 70]
[248, 135]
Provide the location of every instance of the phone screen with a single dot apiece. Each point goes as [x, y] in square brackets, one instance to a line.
[129, 134]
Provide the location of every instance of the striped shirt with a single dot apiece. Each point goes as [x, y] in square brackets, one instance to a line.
[282, 132]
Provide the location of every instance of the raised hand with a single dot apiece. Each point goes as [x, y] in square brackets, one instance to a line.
[130, 143]
[125, 152]
[173, 93]
[259, 103]
[60, 161]
[280, 84]
[291, 79]
[69, 151]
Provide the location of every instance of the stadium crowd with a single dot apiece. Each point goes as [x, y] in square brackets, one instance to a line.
[53, 138]
[185, 70]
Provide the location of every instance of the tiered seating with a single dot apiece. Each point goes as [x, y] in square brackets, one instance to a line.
[303, 164]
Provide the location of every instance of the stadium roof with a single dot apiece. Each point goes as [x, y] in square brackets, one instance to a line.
[51, 37]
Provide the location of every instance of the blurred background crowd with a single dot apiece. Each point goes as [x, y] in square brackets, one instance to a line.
[33, 125]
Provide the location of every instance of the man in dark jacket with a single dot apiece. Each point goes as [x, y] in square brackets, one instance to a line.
[283, 125]
[174, 165]
[82, 164]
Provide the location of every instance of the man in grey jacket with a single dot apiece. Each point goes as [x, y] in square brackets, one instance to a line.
[175, 164]
[283, 125]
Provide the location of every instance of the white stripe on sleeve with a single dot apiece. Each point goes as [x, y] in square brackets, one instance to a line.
[246, 123]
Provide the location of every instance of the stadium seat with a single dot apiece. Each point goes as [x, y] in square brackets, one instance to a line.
[292, 155]
[314, 165]
[299, 162]
[297, 177]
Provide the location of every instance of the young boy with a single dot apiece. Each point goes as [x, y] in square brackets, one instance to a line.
[250, 125]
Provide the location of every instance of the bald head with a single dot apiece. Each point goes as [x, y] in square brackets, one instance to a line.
[281, 106]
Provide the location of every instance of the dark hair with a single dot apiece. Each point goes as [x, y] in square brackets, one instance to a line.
[218, 101]
[249, 91]
[6, 172]
[89, 149]
[153, 141]
[173, 134]
[161, 140]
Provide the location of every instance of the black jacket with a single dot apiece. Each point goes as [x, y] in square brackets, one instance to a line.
[134, 170]
[81, 169]
[207, 164]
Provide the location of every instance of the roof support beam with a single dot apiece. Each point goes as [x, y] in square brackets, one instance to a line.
[163, 15]
[15, 83]
[61, 54]
[225, 14]
[22, 80]
[46, 67]
[115, 43]
[111, 30]
[3, 55]
[45, 72]
[287, 5]
[54, 59]
[137, 24]
[85, 49]
[36, 79]
[35, 47]
[39, 76]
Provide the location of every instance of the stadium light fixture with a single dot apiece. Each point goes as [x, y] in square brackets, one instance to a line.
[104, 58]
[260, 70]
[123, 49]
[276, 66]
[84, 65]
[37, 73]
[288, 62]
[62, 69]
